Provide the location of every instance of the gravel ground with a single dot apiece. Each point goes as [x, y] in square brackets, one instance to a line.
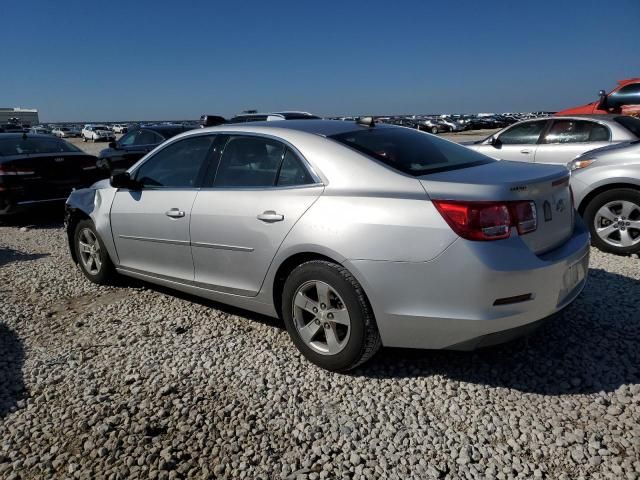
[135, 381]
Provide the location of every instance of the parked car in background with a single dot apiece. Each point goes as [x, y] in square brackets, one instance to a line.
[454, 125]
[625, 99]
[119, 128]
[65, 132]
[39, 131]
[134, 145]
[97, 133]
[358, 234]
[40, 169]
[261, 117]
[606, 188]
[558, 139]
[433, 126]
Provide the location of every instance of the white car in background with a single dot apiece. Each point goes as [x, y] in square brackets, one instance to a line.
[119, 128]
[97, 133]
[65, 132]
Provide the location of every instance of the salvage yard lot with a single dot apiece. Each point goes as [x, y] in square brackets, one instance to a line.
[135, 381]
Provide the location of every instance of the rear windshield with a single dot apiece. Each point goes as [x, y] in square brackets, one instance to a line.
[411, 151]
[23, 146]
[170, 132]
[630, 123]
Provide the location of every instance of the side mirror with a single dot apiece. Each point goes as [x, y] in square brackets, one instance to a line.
[113, 145]
[494, 141]
[603, 99]
[124, 180]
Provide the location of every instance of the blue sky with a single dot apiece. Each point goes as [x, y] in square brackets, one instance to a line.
[118, 60]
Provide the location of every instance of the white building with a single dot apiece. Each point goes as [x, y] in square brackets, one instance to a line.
[24, 115]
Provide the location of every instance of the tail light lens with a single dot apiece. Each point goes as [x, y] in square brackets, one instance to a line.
[485, 221]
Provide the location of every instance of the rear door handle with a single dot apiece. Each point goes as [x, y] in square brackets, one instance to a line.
[270, 216]
[174, 213]
[525, 151]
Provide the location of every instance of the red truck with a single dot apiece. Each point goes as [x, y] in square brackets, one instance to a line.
[624, 99]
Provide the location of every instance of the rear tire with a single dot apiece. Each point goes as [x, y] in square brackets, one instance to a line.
[613, 218]
[92, 256]
[341, 333]
[84, 139]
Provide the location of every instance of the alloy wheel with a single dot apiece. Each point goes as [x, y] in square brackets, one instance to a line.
[89, 249]
[617, 223]
[321, 318]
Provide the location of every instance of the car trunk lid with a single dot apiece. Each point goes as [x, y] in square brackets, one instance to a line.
[546, 185]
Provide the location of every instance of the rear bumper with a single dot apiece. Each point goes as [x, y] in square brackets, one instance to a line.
[449, 302]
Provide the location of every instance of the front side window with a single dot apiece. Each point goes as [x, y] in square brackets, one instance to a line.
[410, 151]
[147, 137]
[249, 162]
[576, 131]
[177, 165]
[526, 133]
[627, 95]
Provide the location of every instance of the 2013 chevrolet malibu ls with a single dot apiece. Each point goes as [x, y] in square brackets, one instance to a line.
[357, 234]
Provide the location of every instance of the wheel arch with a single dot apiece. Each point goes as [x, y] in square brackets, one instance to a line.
[601, 189]
[73, 216]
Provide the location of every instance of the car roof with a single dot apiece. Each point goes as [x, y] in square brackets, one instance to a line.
[323, 128]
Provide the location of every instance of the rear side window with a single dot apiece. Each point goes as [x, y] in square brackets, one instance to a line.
[526, 133]
[631, 124]
[293, 172]
[249, 162]
[176, 166]
[576, 131]
[411, 151]
[147, 137]
[24, 146]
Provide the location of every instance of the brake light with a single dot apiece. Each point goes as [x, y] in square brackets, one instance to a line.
[4, 171]
[485, 221]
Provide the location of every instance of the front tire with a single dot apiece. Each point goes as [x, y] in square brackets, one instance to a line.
[92, 255]
[328, 316]
[84, 139]
[613, 218]
[434, 130]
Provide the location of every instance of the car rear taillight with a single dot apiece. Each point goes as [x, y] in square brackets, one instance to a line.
[4, 171]
[488, 220]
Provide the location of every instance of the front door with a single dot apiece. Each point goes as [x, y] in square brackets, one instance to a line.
[260, 190]
[150, 224]
[519, 142]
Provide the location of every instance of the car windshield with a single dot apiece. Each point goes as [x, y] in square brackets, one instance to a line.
[630, 123]
[411, 151]
[23, 146]
[170, 132]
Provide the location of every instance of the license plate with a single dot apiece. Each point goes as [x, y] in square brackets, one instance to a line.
[575, 274]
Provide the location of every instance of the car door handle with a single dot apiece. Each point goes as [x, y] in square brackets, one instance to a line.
[525, 151]
[270, 216]
[174, 213]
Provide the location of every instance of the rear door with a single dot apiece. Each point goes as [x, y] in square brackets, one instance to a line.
[565, 139]
[150, 224]
[260, 189]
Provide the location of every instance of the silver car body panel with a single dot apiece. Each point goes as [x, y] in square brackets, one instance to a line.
[617, 165]
[554, 153]
[428, 288]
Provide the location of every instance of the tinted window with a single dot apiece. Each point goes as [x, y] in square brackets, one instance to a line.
[631, 124]
[177, 165]
[627, 95]
[526, 133]
[576, 131]
[22, 146]
[249, 162]
[147, 137]
[292, 171]
[410, 151]
[128, 139]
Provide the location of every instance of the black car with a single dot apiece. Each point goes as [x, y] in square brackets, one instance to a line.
[40, 169]
[262, 117]
[134, 145]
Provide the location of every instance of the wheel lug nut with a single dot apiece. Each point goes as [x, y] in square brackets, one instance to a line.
[317, 322]
[323, 306]
[315, 310]
[330, 316]
[326, 325]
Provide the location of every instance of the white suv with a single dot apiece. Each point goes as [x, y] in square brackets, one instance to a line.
[96, 133]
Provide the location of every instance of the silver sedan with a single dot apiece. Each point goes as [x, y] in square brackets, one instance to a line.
[558, 139]
[606, 186]
[357, 234]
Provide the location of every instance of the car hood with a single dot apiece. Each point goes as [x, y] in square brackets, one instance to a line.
[632, 148]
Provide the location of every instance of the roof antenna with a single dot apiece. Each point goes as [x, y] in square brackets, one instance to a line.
[366, 121]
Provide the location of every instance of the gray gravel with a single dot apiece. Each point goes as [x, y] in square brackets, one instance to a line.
[138, 382]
